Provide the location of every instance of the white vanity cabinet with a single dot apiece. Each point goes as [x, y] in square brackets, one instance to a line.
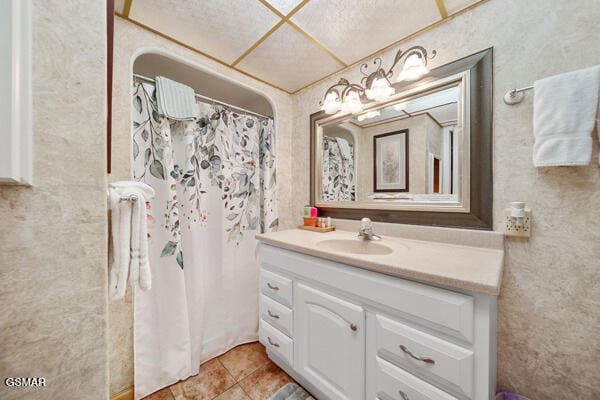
[347, 333]
[330, 343]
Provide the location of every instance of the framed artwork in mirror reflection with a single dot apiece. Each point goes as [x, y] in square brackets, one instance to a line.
[390, 161]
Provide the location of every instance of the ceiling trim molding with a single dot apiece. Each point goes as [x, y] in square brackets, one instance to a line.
[442, 8]
[195, 50]
[315, 41]
[396, 43]
[276, 11]
[127, 8]
[257, 43]
[284, 19]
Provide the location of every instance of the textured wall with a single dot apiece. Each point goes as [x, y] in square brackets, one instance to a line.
[549, 308]
[53, 235]
[130, 38]
[549, 345]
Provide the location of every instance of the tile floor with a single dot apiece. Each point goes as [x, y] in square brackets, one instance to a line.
[243, 373]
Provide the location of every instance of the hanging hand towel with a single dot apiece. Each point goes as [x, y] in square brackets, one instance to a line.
[564, 115]
[145, 280]
[129, 238]
[175, 100]
[390, 196]
[121, 234]
[145, 189]
[344, 148]
[138, 219]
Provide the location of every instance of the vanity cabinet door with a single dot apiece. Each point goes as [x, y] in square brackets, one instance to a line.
[330, 343]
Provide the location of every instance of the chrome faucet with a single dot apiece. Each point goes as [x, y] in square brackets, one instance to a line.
[366, 230]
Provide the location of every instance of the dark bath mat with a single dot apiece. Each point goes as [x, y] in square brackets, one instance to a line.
[291, 391]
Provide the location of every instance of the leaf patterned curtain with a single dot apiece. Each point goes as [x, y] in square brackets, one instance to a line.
[338, 172]
[215, 183]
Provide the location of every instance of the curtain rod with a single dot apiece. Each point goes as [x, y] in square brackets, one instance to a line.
[152, 80]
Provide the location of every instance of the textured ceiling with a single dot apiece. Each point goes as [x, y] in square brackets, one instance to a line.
[288, 44]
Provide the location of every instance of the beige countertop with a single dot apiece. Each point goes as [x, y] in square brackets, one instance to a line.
[475, 269]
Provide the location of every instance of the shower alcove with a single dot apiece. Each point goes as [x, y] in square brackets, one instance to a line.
[213, 88]
[204, 82]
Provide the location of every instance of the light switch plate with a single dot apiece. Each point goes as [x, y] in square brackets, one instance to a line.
[510, 229]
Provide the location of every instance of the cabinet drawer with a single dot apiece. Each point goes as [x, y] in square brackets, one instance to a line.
[276, 287]
[398, 384]
[276, 314]
[428, 356]
[444, 310]
[276, 342]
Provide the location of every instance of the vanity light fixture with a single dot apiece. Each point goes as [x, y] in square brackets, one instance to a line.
[380, 88]
[352, 103]
[351, 97]
[414, 67]
[331, 104]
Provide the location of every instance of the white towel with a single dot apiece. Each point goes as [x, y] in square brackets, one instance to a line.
[390, 196]
[129, 238]
[138, 213]
[344, 148]
[145, 281]
[175, 100]
[121, 237]
[145, 189]
[564, 115]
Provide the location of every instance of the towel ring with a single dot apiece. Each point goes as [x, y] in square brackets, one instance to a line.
[131, 198]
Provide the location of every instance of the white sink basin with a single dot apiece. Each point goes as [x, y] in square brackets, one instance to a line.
[354, 246]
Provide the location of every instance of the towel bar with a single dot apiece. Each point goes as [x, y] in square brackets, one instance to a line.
[515, 96]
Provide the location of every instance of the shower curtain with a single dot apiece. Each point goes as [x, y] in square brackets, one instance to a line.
[215, 189]
[338, 172]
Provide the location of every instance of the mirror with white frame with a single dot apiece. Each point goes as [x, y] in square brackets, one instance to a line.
[416, 157]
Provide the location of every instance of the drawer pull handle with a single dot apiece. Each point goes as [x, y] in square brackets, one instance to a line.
[272, 343]
[272, 287]
[353, 327]
[425, 360]
[272, 315]
[403, 395]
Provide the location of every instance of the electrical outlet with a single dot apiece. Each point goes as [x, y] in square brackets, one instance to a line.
[510, 229]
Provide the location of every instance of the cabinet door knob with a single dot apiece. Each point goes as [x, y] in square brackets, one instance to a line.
[272, 315]
[272, 343]
[403, 395]
[272, 287]
[425, 360]
[353, 327]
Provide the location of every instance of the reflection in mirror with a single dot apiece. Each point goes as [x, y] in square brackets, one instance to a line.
[421, 155]
[391, 162]
[404, 151]
[426, 154]
[338, 164]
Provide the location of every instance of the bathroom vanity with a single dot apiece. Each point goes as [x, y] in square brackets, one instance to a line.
[393, 319]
